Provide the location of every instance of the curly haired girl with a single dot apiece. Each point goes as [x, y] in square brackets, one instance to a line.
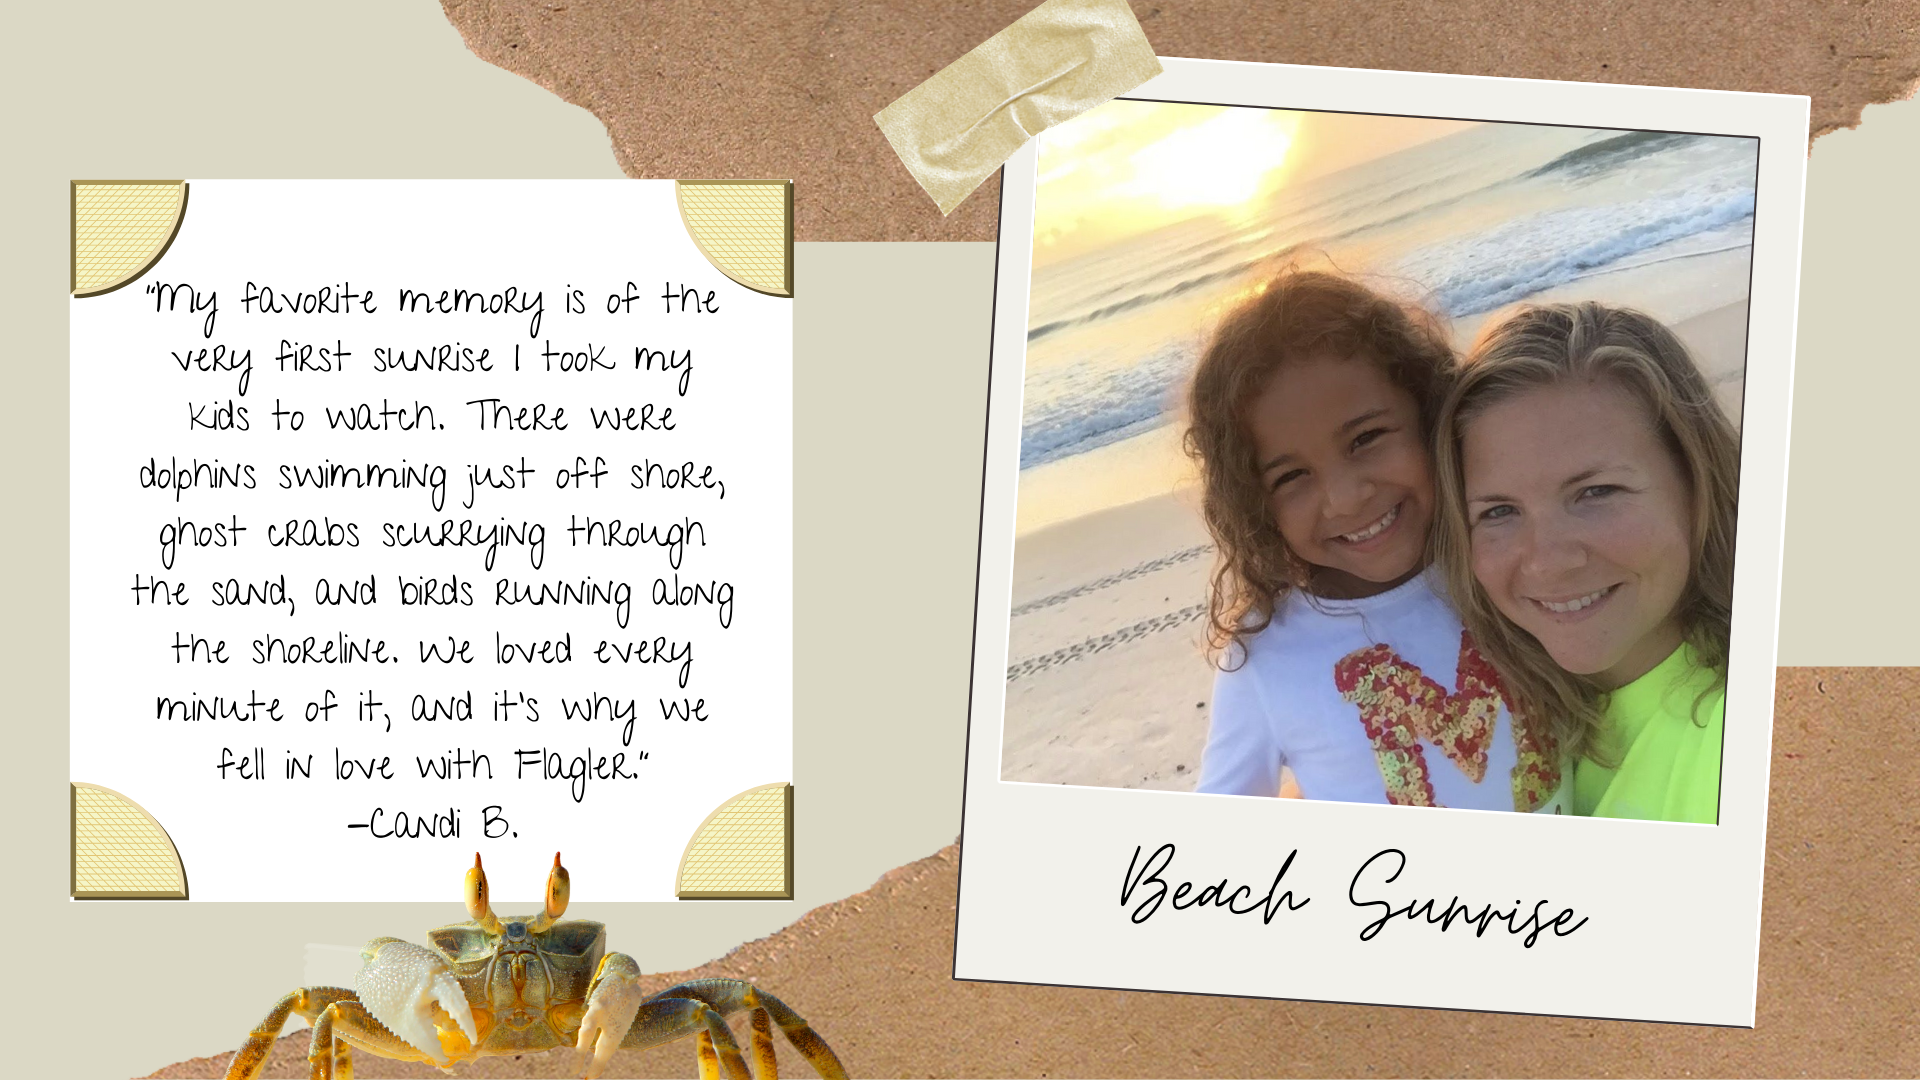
[1339, 657]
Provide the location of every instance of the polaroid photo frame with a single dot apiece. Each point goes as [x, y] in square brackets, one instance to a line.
[1087, 859]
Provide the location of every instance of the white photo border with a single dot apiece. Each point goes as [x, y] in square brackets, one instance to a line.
[1673, 910]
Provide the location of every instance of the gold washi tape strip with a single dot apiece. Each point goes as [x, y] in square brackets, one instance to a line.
[1054, 63]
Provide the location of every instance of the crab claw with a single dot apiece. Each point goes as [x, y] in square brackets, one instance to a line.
[401, 983]
[611, 1006]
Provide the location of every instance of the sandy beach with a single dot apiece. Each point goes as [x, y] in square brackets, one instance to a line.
[1108, 683]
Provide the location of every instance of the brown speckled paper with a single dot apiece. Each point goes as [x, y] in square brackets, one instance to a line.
[1839, 963]
[790, 89]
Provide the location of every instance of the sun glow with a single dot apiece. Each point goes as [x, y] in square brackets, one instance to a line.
[1129, 167]
[1221, 162]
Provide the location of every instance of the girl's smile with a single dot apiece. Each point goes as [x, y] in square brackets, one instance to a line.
[1343, 454]
[1371, 536]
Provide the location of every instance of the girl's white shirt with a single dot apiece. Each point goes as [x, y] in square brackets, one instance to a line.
[1315, 678]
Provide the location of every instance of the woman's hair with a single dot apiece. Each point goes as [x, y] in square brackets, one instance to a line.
[1295, 315]
[1586, 344]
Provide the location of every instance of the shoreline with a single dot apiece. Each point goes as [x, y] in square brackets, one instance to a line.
[1152, 462]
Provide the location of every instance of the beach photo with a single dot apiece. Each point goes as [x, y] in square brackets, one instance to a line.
[1154, 221]
[1364, 444]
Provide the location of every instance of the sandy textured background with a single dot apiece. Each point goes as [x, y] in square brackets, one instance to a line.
[895, 337]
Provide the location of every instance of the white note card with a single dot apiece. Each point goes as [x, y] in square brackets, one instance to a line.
[418, 519]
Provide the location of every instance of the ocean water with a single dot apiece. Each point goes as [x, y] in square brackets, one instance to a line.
[1464, 225]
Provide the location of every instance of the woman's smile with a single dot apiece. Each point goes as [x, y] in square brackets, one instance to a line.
[1577, 606]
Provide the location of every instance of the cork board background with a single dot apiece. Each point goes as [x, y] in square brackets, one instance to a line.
[372, 88]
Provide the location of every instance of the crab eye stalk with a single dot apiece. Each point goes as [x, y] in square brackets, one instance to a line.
[558, 885]
[478, 909]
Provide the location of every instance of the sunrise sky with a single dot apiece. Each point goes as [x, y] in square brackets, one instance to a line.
[1129, 167]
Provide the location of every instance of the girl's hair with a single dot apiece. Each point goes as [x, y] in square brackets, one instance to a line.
[1296, 315]
[1585, 344]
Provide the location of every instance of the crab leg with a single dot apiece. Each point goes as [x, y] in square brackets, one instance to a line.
[729, 996]
[308, 1001]
[765, 1066]
[663, 1020]
[709, 1061]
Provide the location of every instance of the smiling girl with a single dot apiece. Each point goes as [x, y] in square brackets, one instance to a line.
[1309, 418]
[1588, 479]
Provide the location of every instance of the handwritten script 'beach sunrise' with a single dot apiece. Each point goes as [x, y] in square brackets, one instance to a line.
[1146, 888]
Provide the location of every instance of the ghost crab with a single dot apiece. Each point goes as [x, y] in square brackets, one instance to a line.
[523, 986]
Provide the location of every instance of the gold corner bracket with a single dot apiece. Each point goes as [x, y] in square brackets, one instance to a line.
[743, 850]
[744, 228]
[121, 852]
[120, 230]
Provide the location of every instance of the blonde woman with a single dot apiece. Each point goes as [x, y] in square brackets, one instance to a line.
[1587, 484]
